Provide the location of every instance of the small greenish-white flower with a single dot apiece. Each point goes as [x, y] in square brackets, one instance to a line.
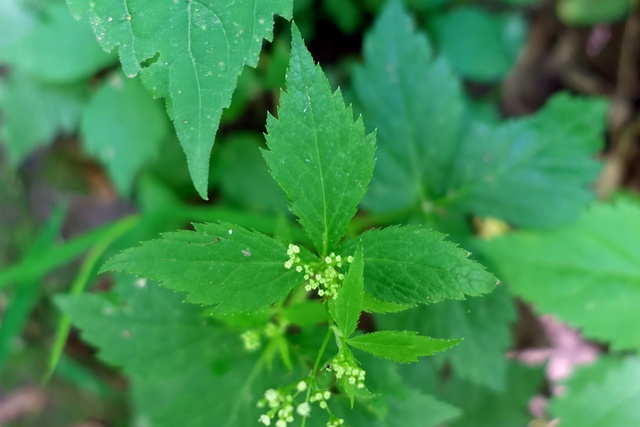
[251, 340]
[281, 423]
[265, 419]
[304, 409]
[301, 386]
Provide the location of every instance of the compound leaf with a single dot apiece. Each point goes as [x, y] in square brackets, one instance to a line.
[223, 264]
[345, 309]
[532, 172]
[318, 155]
[399, 346]
[582, 403]
[411, 265]
[190, 52]
[586, 273]
[169, 352]
[123, 127]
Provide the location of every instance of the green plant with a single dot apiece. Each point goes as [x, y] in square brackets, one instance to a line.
[250, 316]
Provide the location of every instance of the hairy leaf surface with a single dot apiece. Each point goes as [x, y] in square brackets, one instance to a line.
[412, 265]
[223, 264]
[318, 155]
[604, 394]
[400, 346]
[586, 273]
[124, 128]
[190, 52]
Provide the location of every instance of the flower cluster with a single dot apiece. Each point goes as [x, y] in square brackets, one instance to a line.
[324, 277]
[251, 340]
[281, 406]
[335, 422]
[347, 368]
[321, 397]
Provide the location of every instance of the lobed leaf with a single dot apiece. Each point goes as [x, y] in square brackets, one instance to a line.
[586, 273]
[222, 264]
[412, 265]
[318, 155]
[190, 52]
[345, 309]
[399, 346]
[532, 172]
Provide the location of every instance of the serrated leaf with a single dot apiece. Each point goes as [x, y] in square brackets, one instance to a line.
[124, 128]
[318, 155]
[485, 325]
[416, 105]
[190, 52]
[33, 113]
[399, 346]
[480, 45]
[57, 49]
[172, 354]
[582, 403]
[372, 305]
[485, 408]
[345, 308]
[532, 172]
[222, 264]
[412, 265]
[587, 273]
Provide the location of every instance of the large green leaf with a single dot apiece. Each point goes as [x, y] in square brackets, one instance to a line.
[184, 369]
[412, 265]
[57, 49]
[534, 171]
[123, 127]
[400, 346]
[604, 394]
[190, 52]
[478, 44]
[34, 113]
[223, 264]
[483, 323]
[587, 273]
[416, 105]
[318, 155]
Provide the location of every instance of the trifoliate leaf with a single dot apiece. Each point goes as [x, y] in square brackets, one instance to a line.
[416, 105]
[399, 346]
[34, 113]
[532, 172]
[190, 52]
[412, 265]
[58, 49]
[223, 264]
[480, 45]
[124, 128]
[171, 354]
[587, 273]
[318, 155]
[345, 308]
[582, 404]
[484, 408]
[485, 325]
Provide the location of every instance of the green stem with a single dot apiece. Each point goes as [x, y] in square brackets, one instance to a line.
[80, 282]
